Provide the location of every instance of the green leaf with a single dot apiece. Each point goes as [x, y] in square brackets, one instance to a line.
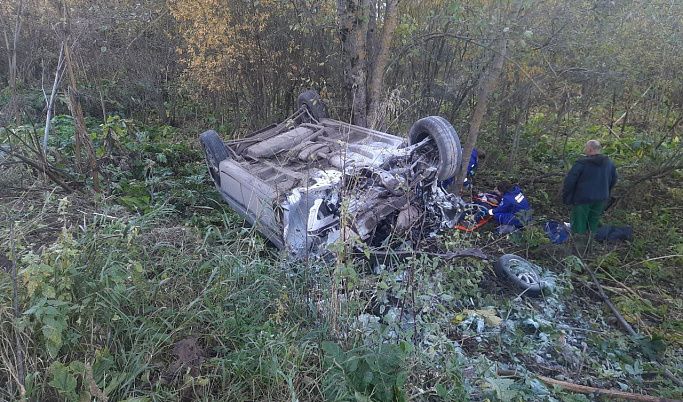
[77, 366]
[407, 347]
[62, 380]
[361, 398]
[502, 387]
[53, 347]
[55, 322]
[441, 391]
[401, 378]
[114, 382]
[352, 364]
[332, 349]
[367, 378]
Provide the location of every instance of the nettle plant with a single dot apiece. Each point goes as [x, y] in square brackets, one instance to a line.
[62, 289]
[52, 281]
[365, 373]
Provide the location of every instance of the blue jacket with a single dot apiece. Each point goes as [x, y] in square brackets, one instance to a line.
[509, 211]
[474, 160]
[589, 181]
[474, 164]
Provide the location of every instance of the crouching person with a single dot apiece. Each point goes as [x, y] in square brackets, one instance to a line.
[514, 211]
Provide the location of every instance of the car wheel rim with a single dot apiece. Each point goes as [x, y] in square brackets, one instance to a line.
[524, 272]
[527, 278]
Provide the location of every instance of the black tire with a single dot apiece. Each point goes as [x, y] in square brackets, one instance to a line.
[215, 152]
[315, 105]
[519, 273]
[447, 142]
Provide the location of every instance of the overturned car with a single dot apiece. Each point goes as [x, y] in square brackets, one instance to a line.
[309, 181]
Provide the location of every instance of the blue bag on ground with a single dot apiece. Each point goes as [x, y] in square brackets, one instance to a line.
[557, 233]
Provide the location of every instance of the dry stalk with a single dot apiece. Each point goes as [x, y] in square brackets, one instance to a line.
[94, 389]
[21, 370]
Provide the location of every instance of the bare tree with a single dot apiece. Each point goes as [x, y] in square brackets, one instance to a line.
[12, 59]
[354, 16]
[80, 132]
[381, 61]
[486, 84]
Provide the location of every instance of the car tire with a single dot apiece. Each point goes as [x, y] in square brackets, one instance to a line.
[315, 105]
[215, 152]
[520, 274]
[447, 142]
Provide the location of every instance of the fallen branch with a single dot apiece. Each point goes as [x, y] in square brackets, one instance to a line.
[41, 167]
[642, 295]
[583, 389]
[668, 374]
[468, 252]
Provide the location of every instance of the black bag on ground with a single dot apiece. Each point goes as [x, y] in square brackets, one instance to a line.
[614, 233]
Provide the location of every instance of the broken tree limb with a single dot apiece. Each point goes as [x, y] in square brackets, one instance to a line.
[583, 389]
[468, 252]
[668, 374]
[606, 299]
[41, 167]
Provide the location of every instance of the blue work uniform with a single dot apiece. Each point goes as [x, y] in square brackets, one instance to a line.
[474, 164]
[513, 209]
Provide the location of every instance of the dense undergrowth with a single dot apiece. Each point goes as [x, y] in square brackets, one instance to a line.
[155, 290]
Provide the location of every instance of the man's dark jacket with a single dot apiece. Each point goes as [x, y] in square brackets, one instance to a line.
[589, 181]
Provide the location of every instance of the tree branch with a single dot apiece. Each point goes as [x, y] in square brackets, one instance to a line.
[583, 389]
[668, 374]
[41, 167]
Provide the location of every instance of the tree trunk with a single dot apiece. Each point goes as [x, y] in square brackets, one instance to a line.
[12, 61]
[354, 16]
[485, 87]
[73, 102]
[390, 22]
[522, 112]
[51, 101]
[80, 131]
[488, 81]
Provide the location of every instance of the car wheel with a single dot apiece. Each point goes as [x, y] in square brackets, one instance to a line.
[215, 152]
[447, 142]
[519, 273]
[315, 105]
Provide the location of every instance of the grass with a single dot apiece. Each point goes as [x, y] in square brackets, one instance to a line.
[168, 295]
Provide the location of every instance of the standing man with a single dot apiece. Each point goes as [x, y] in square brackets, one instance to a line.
[587, 187]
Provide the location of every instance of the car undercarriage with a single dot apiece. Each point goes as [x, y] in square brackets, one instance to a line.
[311, 181]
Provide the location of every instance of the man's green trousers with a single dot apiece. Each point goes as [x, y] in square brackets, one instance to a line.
[585, 217]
